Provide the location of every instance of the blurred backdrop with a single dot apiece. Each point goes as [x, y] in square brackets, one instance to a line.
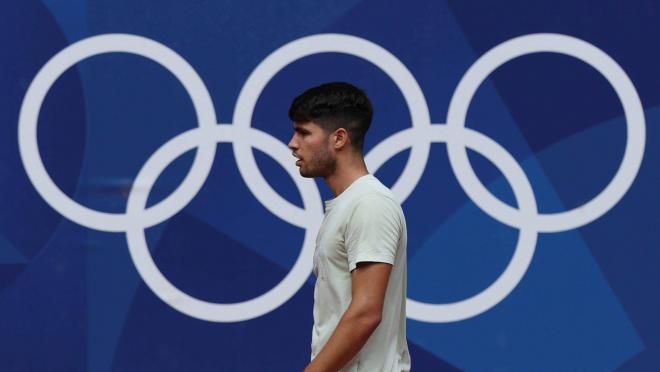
[550, 265]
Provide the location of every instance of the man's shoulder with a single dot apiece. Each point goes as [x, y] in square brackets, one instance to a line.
[379, 192]
[375, 204]
[375, 199]
[373, 191]
[370, 199]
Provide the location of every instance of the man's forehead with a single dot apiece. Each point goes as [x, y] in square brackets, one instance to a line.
[305, 124]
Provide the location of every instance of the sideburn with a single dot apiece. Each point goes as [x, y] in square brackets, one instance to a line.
[327, 164]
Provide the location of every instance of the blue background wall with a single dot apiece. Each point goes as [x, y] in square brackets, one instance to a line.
[72, 300]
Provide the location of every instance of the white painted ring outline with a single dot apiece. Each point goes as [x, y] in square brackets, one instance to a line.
[605, 65]
[525, 247]
[329, 43]
[181, 301]
[44, 80]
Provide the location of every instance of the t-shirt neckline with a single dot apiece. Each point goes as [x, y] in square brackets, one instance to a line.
[329, 203]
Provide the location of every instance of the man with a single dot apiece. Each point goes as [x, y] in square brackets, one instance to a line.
[360, 258]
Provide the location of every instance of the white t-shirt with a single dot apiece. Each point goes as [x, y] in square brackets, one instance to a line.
[364, 223]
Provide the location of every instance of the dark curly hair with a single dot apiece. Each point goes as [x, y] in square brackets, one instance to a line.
[335, 105]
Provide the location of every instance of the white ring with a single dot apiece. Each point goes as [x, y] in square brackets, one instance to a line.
[625, 90]
[327, 43]
[180, 300]
[53, 69]
[522, 190]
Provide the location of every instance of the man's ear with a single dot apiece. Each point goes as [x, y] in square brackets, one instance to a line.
[340, 138]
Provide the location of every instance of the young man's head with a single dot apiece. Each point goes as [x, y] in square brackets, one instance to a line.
[330, 122]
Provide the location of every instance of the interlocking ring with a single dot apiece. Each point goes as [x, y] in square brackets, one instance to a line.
[243, 137]
[632, 108]
[46, 77]
[180, 300]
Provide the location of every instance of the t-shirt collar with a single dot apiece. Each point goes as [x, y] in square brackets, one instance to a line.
[329, 203]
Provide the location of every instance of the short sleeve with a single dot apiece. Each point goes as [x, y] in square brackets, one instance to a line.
[373, 230]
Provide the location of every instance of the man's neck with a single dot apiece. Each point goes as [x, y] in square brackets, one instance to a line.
[345, 175]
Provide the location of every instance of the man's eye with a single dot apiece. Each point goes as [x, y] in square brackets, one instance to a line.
[302, 132]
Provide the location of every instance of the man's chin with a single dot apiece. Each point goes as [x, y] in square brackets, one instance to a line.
[306, 174]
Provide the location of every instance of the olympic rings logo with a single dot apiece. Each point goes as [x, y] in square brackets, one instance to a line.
[418, 138]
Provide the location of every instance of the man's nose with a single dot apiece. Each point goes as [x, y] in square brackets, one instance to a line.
[292, 144]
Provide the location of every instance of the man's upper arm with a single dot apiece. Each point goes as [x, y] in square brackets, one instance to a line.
[373, 231]
[368, 285]
[372, 239]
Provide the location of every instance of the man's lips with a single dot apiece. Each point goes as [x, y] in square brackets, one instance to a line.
[299, 161]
